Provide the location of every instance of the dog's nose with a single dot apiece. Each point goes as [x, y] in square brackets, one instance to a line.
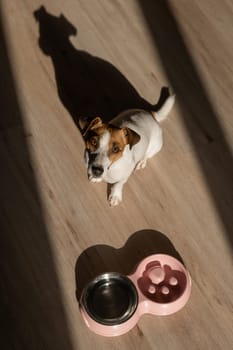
[97, 170]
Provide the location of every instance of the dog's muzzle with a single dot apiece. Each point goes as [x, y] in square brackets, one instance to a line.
[97, 164]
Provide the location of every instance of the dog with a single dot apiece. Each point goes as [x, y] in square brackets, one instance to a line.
[114, 150]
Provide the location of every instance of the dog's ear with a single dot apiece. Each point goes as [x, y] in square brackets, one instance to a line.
[85, 127]
[131, 136]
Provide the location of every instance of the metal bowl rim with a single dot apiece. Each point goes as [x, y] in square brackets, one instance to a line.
[107, 276]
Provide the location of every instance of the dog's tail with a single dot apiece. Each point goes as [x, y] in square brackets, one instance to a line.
[163, 112]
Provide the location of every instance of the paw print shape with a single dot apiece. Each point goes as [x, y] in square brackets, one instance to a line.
[161, 283]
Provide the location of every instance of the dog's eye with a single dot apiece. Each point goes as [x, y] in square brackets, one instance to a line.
[94, 140]
[115, 148]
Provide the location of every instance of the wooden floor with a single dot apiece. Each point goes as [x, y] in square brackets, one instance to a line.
[88, 58]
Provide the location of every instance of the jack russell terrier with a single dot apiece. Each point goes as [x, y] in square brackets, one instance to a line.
[114, 150]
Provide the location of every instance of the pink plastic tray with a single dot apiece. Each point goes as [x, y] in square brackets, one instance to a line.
[112, 304]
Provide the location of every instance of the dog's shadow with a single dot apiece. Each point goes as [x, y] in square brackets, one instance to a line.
[102, 258]
[88, 86]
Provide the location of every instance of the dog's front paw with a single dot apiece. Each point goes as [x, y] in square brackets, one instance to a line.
[141, 164]
[114, 200]
[115, 196]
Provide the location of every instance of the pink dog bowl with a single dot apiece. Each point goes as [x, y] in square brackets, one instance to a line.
[112, 304]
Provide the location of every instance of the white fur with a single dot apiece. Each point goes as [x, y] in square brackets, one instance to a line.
[144, 124]
[162, 114]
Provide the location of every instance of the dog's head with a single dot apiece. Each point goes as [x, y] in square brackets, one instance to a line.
[105, 145]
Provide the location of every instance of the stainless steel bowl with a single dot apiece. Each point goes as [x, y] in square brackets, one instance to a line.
[110, 298]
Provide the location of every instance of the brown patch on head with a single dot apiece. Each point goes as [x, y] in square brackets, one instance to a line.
[94, 124]
[117, 143]
[93, 133]
[119, 138]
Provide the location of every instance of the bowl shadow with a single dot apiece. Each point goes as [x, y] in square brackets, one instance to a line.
[101, 258]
